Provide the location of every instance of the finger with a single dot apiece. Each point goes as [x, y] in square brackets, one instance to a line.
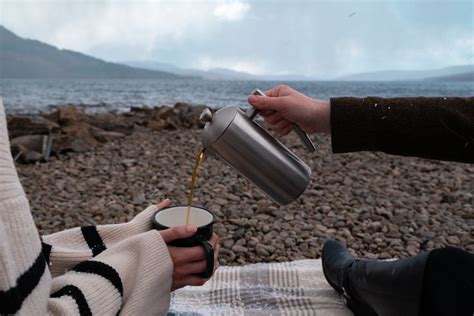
[281, 125]
[286, 130]
[273, 119]
[266, 103]
[189, 269]
[178, 232]
[182, 255]
[164, 203]
[266, 113]
[276, 91]
[214, 240]
[216, 256]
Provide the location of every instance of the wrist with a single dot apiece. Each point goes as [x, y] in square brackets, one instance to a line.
[322, 116]
[326, 105]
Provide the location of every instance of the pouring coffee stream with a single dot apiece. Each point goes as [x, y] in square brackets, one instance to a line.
[199, 158]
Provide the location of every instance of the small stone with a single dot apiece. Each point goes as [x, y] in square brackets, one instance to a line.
[222, 261]
[281, 259]
[261, 250]
[348, 181]
[269, 236]
[412, 251]
[239, 249]
[228, 243]
[241, 242]
[304, 247]
[320, 227]
[266, 228]
[220, 201]
[240, 233]
[453, 240]
[233, 197]
[290, 242]
[376, 226]
[230, 256]
[128, 162]
[370, 255]
[251, 243]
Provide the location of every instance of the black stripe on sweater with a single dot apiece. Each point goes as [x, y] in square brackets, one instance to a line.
[93, 239]
[12, 299]
[77, 295]
[46, 248]
[102, 269]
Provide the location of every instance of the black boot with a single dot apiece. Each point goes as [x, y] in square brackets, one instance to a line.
[374, 287]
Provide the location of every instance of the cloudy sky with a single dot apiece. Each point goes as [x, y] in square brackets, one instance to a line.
[319, 38]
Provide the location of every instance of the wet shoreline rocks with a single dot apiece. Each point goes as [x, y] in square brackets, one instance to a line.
[69, 128]
[381, 206]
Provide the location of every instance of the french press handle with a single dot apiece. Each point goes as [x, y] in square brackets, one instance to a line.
[252, 112]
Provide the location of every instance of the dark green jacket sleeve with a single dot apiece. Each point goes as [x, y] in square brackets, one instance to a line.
[435, 128]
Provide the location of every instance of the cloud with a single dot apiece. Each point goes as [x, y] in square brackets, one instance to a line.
[249, 66]
[314, 38]
[231, 11]
[88, 25]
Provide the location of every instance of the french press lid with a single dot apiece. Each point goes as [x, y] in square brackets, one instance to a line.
[216, 124]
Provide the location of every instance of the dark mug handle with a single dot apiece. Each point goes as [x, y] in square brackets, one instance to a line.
[207, 273]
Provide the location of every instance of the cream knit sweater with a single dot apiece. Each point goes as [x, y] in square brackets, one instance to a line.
[100, 270]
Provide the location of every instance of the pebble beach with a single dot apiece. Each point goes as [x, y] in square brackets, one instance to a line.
[380, 206]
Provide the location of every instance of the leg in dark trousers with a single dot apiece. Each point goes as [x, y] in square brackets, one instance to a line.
[440, 282]
[448, 286]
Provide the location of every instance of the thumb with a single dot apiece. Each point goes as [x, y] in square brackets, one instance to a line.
[178, 232]
[266, 103]
[163, 204]
[144, 216]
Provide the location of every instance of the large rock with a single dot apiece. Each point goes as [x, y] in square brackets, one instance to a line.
[31, 148]
[141, 110]
[30, 125]
[65, 143]
[164, 118]
[115, 123]
[105, 136]
[76, 131]
[67, 116]
[181, 115]
[189, 115]
[78, 137]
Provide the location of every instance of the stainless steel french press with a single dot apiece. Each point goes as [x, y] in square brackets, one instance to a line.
[234, 136]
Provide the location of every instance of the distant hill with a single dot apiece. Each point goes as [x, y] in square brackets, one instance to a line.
[454, 73]
[25, 58]
[448, 74]
[215, 73]
[465, 76]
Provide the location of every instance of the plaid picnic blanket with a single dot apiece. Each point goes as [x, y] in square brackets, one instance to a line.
[289, 288]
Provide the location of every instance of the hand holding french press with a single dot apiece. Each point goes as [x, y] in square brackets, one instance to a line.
[290, 126]
[284, 106]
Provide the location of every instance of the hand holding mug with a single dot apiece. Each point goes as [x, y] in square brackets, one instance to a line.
[188, 262]
[194, 248]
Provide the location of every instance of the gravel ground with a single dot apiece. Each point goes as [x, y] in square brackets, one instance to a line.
[381, 206]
